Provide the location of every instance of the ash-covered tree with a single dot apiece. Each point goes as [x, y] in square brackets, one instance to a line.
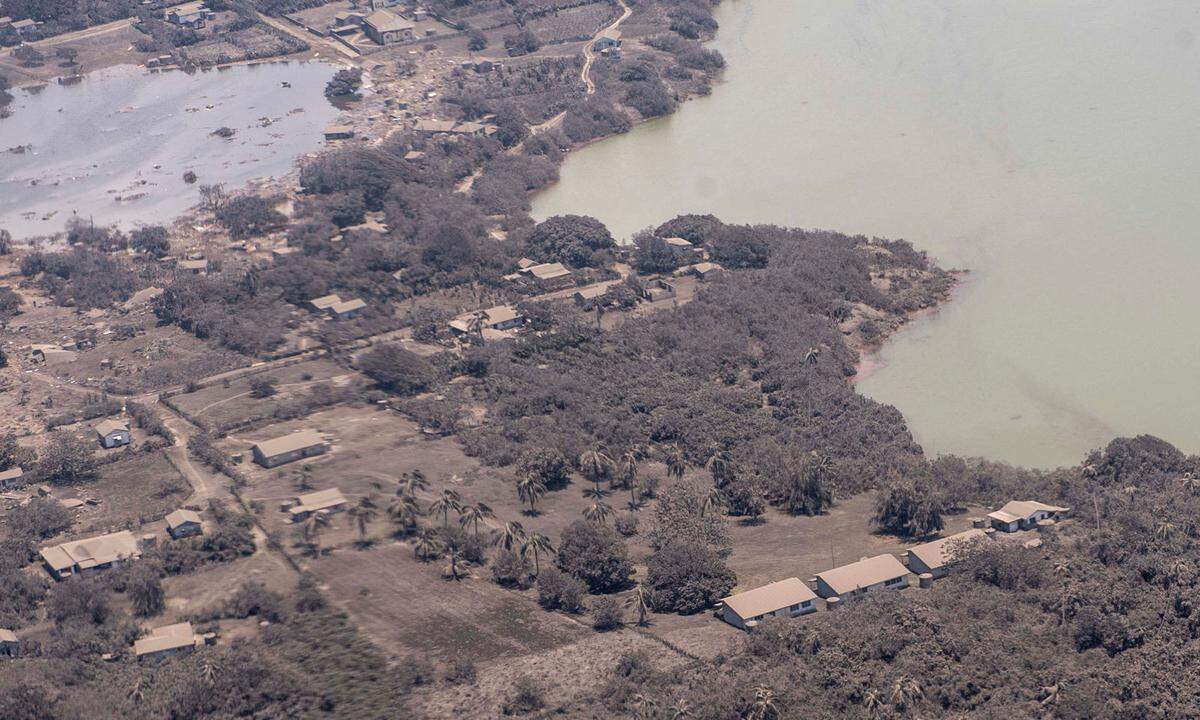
[248, 216]
[595, 554]
[909, 510]
[151, 239]
[740, 246]
[67, 460]
[145, 591]
[686, 577]
[344, 84]
[397, 370]
[652, 254]
[547, 465]
[572, 239]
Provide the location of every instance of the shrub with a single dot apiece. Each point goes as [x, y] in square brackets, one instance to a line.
[262, 386]
[511, 569]
[547, 465]
[626, 524]
[396, 369]
[687, 577]
[607, 614]
[909, 510]
[571, 239]
[595, 554]
[67, 461]
[145, 590]
[559, 591]
[41, 518]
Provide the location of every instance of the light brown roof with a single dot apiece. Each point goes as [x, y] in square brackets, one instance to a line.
[1021, 509]
[104, 427]
[591, 291]
[7, 635]
[934, 554]
[319, 500]
[385, 21]
[866, 572]
[194, 264]
[294, 441]
[769, 598]
[325, 301]
[348, 306]
[678, 242]
[526, 263]
[706, 267]
[91, 552]
[434, 126]
[495, 316]
[181, 516]
[167, 637]
[547, 271]
[11, 474]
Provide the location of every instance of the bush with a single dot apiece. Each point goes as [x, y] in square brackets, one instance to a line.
[67, 461]
[151, 239]
[511, 569]
[595, 554]
[248, 216]
[626, 524]
[253, 598]
[607, 614]
[263, 386]
[396, 369]
[40, 519]
[526, 696]
[687, 577]
[571, 239]
[344, 84]
[559, 591]
[547, 465]
[145, 591]
[909, 510]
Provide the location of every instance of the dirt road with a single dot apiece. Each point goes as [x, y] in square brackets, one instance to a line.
[589, 50]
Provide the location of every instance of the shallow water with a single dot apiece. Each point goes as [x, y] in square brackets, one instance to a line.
[114, 147]
[1049, 147]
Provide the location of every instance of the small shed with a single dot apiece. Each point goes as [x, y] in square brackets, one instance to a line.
[786, 598]
[166, 641]
[347, 309]
[339, 132]
[184, 523]
[112, 433]
[10, 646]
[11, 478]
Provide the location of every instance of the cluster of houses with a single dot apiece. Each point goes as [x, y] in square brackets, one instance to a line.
[454, 127]
[102, 552]
[23, 28]
[337, 308]
[793, 597]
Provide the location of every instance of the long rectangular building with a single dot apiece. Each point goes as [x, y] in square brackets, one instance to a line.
[82, 557]
[881, 571]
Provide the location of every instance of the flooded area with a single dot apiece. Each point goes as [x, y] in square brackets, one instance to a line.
[1061, 174]
[114, 148]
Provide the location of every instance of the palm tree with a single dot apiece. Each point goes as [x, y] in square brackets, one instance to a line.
[449, 500]
[477, 323]
[209, 670]
[137, 693]
[530, 489]
[905, 692]
[427, 545]
[511, 536]
[627, 469]
[720, 464]
[413, 482]
[1189, 482]
[873, 703]
[595, 466]
[313, 527]
[474, 514]
[362, 515]
[1164, 530]
[764, 707]
[1062, 568]
[304, 479]
[681, 710]
[404, 511]
[813, 354]
[640, 600]
[598, 512]
[715, 498]
[676, 463]
[537, 544]
[643, 705]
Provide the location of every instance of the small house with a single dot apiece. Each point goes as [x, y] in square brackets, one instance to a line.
[588, 297]
[10, 646]
[434, 127]
[1023, 514]
[881, 571]
[323, 303]
[347, 309]
[11, 478]
[112, 433]
[525, 263]
[189, 15]
[184, 523]
[323, 501]
[25, 27]
[658, 289]
[548, 274]
[609, 39]
[280, 253]
[83, 557]
[166, 641]
[195, 267]
[414, 155]
[501, 317]
[705, 271]
[386, 27]
[339, 132]
[786, 598]
[682, 246]
[51, 354]
[289, 448]
[936, 557]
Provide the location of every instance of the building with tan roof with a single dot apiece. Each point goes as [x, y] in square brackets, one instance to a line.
[82, 557]
[501, 317]
[1023, 514]
[323, 303]
[327, 501]
[11, 478]
[184, 523]
[288, 448]
[547, 273]
[881, 571]
[112, 433]
[705, 270]
[936, 557]
[386, 27]
[167, 640]
[10, 646]
[786, 598]
[347, 309]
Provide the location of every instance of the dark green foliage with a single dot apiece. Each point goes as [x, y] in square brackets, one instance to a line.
[397, 370]
[909, 510]
[558, 590]
[592, 119]
[344, 84]
[548, 466]
[248, 216]
[595, 554]
[575, 240]
[232, 315]
[653, 255]
[225, 543]
[650, 98]
[10, 304]
[67, 461]
[687, 577]
[607, 614]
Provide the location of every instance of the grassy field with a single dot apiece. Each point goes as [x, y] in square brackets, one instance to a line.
[220, 404]
[139, 488]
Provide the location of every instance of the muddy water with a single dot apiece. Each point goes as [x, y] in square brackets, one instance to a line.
[114, 147]
[1049, 147]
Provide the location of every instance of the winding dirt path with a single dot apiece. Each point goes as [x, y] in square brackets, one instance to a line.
[589, 50]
